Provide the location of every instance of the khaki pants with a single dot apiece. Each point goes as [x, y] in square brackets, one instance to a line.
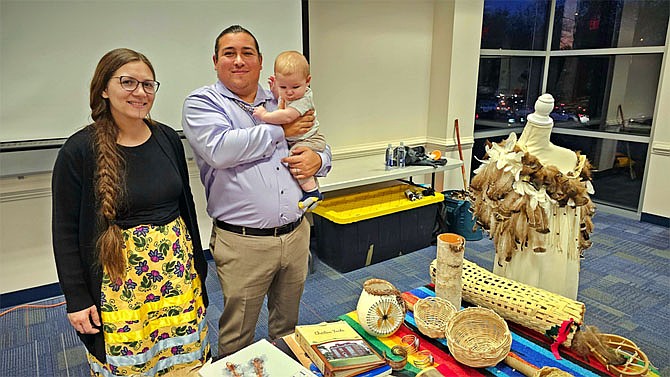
[249, 267]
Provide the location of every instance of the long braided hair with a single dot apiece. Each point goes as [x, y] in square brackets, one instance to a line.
[110, 165]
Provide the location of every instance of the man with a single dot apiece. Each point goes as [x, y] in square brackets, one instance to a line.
[261, 244]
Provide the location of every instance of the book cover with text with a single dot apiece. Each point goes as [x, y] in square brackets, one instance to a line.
[337, 349]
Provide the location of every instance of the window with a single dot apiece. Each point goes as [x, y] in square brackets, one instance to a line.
[608, 93]
[617, 167]
[515, 25]
[583, 24]
[601, 61]
[504, 89]
[578, 87]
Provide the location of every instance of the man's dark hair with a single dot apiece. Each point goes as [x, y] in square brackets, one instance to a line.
[231, 30]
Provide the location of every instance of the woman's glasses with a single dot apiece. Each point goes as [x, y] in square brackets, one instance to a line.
[130, 84]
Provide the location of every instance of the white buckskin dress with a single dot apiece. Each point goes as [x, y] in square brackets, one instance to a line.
[533, 199]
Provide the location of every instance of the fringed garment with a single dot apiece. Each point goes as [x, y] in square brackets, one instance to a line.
[539, 218]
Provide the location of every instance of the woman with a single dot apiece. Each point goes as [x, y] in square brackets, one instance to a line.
[125, 234]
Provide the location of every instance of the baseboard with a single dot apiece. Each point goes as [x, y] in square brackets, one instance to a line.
[28, 295]
[42, 292]
[655, 219]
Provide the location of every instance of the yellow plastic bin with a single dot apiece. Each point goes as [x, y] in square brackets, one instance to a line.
[356, 230]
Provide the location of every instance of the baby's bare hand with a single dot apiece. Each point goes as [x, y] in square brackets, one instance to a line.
[259, 112]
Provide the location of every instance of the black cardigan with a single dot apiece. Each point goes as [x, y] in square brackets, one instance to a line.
[75, 225]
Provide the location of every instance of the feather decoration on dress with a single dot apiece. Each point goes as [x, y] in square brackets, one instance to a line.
[513, 194]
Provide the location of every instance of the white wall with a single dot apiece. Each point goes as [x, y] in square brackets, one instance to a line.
[25, 228]
[657, 180]
[386, 71]
[50, 49]
[457, 29]
[370, 64]
[25, 233]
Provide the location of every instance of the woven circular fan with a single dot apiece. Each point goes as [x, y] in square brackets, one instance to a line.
[380, 309]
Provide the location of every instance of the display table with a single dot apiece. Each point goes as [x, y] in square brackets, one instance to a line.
[360, 171]
[529, 345]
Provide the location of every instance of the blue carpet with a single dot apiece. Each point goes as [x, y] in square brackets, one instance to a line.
[624, 283]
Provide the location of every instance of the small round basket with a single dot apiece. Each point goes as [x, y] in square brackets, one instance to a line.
[478, 337]
[431, 315]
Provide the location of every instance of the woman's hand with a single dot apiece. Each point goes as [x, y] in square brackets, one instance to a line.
[84, 320]
[299, 126]
[303, 162]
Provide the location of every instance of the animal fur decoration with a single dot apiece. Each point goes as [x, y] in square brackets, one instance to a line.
[588, 341]
[524, 205]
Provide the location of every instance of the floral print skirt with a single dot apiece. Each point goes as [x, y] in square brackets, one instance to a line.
[154, 318]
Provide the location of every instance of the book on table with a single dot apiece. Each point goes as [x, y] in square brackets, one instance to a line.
[295, 349]
[258, 359]
[290, 346]
[381, 371]
[337, 349]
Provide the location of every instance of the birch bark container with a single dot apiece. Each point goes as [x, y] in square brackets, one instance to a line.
[450, 249]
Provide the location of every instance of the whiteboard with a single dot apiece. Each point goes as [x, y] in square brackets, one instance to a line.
[49, 50]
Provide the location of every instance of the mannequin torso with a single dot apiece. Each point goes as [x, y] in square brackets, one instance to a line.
[536, 134]
[535, 140]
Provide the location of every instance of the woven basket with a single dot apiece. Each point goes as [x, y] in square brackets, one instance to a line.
[431, 315]
[478, 337]
[531, 307]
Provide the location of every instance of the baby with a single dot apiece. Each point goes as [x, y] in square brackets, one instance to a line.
[290, 85]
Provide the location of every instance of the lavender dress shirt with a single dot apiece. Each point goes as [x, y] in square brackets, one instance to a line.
[246, 183]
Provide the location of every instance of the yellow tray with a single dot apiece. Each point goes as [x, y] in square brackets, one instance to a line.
[370, 204]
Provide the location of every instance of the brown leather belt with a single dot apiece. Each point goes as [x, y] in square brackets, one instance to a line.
[247, 231]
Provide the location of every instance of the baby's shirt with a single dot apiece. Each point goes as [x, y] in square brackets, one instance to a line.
[303, 105]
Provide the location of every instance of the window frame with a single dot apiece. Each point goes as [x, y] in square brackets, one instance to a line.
[547, 54]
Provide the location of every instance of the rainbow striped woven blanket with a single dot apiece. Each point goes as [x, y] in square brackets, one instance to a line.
[529, 345]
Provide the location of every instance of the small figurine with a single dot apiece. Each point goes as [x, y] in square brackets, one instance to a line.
[257, 364]
[232, 369]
